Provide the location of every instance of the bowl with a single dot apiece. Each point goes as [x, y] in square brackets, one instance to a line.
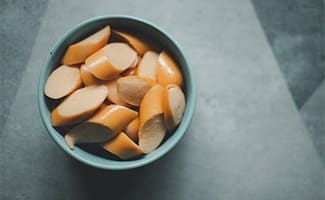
[140, 26]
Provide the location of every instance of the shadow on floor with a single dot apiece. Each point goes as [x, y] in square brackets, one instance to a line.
[295, 31]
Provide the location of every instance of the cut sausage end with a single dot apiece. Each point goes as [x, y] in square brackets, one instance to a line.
[132, 89]
[88, 133]
[123, 147]
[111, 60]
[151, 103]
[147, 67]
[69, 141]
[115, 117]
[152, 133]
[173, 105]
[120, 55]
[62, 81]
[113, 95]
[79, 105]
[88, 78]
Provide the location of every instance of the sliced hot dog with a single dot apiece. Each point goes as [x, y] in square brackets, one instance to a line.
[132, 69]
[139, 44]
[62, 81]
[147, 67]
[79, 105]
[78, 52]
[115, 117]
[112, 94]
[87, 133]
[111, 60]
[104, 125]
[123, 147]
[135, 63]
[173, 105]
[132, 129]
[152, 127]
[87, 77]
[131, 89]
[168, 71]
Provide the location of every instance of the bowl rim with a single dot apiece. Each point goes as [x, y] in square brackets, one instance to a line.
[186, 121]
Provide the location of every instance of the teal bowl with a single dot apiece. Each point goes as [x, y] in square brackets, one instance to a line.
[142, 27]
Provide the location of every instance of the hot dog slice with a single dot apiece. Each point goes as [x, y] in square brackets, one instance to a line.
[87, 133]
[147, 67]
[132, 129]
[62, 81]
[152, 127]
[79, 105]
[131, 89]
[87, 77]
[123, 147]
[167, 71]
[104, 125]
[112, 94]
[78, 52]
[111, 60]
[139, 44]
[115, 117]
[173, 105]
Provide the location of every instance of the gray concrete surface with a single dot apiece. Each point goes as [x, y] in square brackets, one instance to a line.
[313, 113]
[239, 146]
[19, 24]
[295, 30]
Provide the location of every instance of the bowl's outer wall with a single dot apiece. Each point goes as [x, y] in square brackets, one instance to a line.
[141, 27]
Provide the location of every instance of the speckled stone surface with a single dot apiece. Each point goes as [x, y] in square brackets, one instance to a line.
[247, 140]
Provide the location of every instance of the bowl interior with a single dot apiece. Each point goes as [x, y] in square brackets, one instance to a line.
[140, 27]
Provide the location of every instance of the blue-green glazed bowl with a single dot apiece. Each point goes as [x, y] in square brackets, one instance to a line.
[142, 27]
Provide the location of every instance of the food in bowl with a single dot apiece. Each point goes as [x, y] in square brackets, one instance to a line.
[118, 90]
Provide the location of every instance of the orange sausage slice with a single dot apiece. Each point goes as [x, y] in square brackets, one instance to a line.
[104, 125]
[167, 71]
[111, 60]
[78, 52]
[123, 147]
[62, 81]
[87, 77]
[79, 105]
[135, 63]
[131, 89]
[152, 127]
[148, 65]
[140, 45]
[87, 133]
[132, 129]
[173, 105]
[132, 69]
[115, 117]
[112, 94]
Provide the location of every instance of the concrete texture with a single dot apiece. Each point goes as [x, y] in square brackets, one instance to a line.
[313, 113]
[295, 30]
[19, 22]
[247, 140]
